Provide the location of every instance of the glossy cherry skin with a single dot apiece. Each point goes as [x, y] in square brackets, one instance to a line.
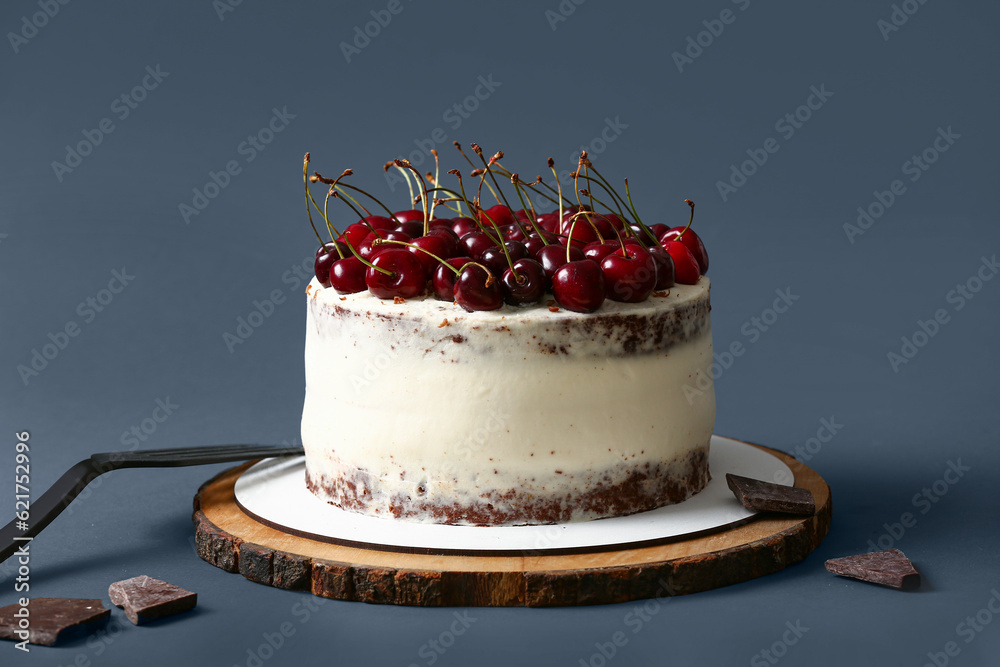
[474, 243]
[615, 221]
[495, 259]
[321, 267]
[331, 246]
[499, 214]
[512, 233]
[444, 278]
[581, 231]
[533, 244]
[579, 286]
[413, 229]
[629, 277]
[347, 275]
[658, 229]
[436, 244]
[355, 234]
[596, 251]
[409, 215]
[551, 257]
[664, 267]
[693, 243]
[686, 270]
[407, 277]
[549, 221]
[441, 222]
[531, 286]
[445, 231]
[380, 222]
[477, 289]
[462, 226]
[369, 248]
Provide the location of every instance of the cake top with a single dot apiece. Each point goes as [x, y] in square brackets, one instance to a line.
[574, 258]
[615, 329]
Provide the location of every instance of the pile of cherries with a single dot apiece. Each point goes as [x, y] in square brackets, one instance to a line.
[502, 255]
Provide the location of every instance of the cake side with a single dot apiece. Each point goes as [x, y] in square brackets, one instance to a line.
[426, 413]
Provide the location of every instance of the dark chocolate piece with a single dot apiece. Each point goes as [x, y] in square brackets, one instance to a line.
[888, 568]
[144, 598]
[49, 620]
[767, 497]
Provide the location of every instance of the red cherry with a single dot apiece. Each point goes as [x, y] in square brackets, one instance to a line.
[531, 286]
[380, 222]
[462, 226]
[495, 259]
[441, 222]
[444, 278]
[549, 221]
[615, 221]
[474, 243]
[331, 246]
[410, 215]
[629, 277]
[582, 232]
[413, 229]
[533, 244]
[551, 257]
[347, 275]
[407, 277]
[579, 286]
[664, 267]
[686, 270]
[596, 251]
[477, 289]
[321, 267]
[693, 243]
[369, 248]
[444, 231]
[436, 244]
[659, 229]
[499, 214]
[512, 233]
[354, 234]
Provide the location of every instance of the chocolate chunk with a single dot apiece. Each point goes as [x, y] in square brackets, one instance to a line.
[888, 568]
[49, 620]
[144, 598]
[767, 497]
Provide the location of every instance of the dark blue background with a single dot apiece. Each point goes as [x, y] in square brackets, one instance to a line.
[558, 84]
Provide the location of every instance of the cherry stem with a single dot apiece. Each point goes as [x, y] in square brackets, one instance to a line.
[326, 203]
[646, 229]
[507, 172]
[437, 174]
[406, 163]
[534, 216]
[493, 160]
[503, 246]
[552, 166]
[385, 208]
[472, 210]
[305, 181]
[690, 220]
[406, 176]
[598, 183]
[331, 230]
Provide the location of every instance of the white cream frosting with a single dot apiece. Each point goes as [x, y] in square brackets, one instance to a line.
[444, 405]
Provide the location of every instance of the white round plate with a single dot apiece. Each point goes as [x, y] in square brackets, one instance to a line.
[274, 491]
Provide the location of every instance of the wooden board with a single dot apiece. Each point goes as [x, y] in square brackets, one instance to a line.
[229, 539]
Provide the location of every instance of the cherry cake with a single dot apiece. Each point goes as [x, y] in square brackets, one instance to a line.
[545, 371]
